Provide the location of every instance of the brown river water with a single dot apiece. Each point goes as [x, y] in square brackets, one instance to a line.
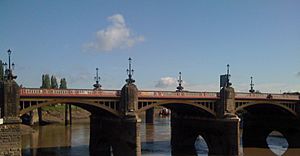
[61, 140]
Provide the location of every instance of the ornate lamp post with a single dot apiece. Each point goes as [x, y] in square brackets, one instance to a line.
[8, 72]
[9, 53]
[130, 73]
[179, 88]
[228, 84]
[251, 86]
[97, 79]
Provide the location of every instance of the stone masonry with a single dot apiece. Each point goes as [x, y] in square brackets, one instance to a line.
[10, 133]
[10, 144]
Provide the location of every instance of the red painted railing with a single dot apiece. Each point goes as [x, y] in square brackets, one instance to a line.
[173, 94]
[37, 92]
[266, 96]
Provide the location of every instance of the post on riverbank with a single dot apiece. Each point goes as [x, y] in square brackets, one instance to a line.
[70, 114]
[40, 115]
[150, 115]
[66, 114]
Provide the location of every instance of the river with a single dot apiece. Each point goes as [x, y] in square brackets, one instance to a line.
[61, 140]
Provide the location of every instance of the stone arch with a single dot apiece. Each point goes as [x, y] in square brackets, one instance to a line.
[80, 102]
[184, 102]
[266, 103]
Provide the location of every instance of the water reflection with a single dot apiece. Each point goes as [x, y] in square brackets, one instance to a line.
[58, 151]
[156, 137]
[149, 133]
[51, 140]
[54, 140]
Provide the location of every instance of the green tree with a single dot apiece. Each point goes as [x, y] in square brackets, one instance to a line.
[46, 81]
[43, 81]
[45, 84]
[1, 70]
[54, 82]
[63, 83]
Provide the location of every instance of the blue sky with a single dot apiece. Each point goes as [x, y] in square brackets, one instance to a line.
[259, 38]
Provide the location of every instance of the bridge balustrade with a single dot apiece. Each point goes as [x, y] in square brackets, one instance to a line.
[266, 96]
[67, 92]
[150, 94]
[173, 94]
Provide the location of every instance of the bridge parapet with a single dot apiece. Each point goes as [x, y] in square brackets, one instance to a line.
[37, 92]
[114, 93]
[266, 96]
[68, 92]
[173, 94]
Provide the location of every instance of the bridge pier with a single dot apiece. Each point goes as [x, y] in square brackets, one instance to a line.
[255, 134]
[128, 140]
[183, 136]
[126, 129]
[122, 135]
[225, 139]
[293, 136]
[66, 115]
[99, 139]
[150, 115]
[40, 115]
[256, 131]
[70, 114]
[221, 135]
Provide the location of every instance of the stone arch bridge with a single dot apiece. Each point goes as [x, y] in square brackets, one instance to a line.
[109, 100]
[211, 114]
[115, 122]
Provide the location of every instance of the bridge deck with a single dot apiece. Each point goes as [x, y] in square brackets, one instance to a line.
[37, 92]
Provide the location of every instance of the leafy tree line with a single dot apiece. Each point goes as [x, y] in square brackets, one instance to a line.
[48, 82]
[63, 83]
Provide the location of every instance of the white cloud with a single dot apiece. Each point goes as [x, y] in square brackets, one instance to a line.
[166, 82]
[116, 36]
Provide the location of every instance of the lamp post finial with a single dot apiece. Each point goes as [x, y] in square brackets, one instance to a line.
[130, 72]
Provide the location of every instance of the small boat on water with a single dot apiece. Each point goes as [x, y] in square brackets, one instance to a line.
[164, 112]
